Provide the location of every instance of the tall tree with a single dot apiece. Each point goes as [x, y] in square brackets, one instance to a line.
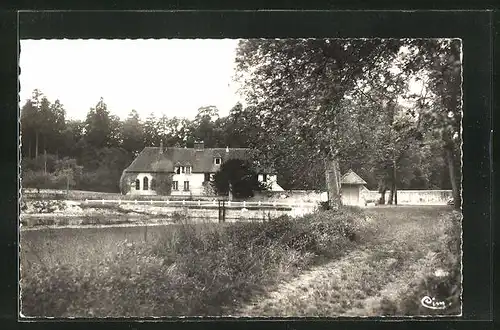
[29, 119]
[42, 124]
[133, 133]
[298, 86]
[97, 126]
[72, 135]
[440, 60]
[151, 131]
[236, 178]
[204, 127]
[55, 126]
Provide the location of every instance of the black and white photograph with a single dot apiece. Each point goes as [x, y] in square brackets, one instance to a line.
[240, 178]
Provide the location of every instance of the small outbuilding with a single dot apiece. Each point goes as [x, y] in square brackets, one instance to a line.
[351, 189]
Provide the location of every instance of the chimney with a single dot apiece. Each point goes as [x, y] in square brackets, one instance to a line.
[199, 145]
[161, 147]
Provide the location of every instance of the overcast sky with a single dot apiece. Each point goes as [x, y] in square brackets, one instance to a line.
[173, 77]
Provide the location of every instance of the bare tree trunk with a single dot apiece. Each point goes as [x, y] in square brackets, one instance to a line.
[332, 172]
[230, 197]
[381, 189]
[381, 201]
[394, 180]
[391, 194]
[395, 195]
[453, 179]
[36, 145]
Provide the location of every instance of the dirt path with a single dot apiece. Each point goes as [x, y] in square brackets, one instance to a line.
[403, 247]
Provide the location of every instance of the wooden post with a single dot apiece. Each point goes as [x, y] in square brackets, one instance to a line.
[219, 211]
[67, 182]
[223, 211]
[44, 160]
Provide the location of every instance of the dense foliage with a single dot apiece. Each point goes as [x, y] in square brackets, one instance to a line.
[388, 109]
[353, 103]
[238, 178]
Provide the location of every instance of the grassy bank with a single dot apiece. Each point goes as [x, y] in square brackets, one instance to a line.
[441, 281]
[389, 274]
[203, 269]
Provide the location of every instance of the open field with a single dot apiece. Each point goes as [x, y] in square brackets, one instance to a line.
[323, 264]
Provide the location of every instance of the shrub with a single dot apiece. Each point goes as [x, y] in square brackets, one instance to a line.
[36, 179]
[237, 176]
[163, 183]
[126, 181]
[48, 206]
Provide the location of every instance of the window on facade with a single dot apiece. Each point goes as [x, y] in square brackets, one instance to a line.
[178, 170]
[175, 185]
[264, 177]
[137, 184]
[153, 184]
[207, 177]
[186, 185]
[145, 183]
[183, 169]
[217, 160]
[188, 169]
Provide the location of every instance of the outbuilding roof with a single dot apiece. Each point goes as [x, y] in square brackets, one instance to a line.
[352, 178]
[151, 159]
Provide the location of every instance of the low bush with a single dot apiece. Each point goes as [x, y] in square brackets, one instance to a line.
[48, 206]
[191, 269]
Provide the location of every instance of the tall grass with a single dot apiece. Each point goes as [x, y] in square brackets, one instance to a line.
[192, 269]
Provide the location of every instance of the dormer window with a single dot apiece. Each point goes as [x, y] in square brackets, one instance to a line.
[217, 160]
[183, 169]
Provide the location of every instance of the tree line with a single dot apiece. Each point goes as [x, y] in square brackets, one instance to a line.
[315, 108]
[333, 104]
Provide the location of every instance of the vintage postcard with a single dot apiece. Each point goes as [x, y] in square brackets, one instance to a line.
[240, 177]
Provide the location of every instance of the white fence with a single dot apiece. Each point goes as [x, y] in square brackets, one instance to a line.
[213, 203]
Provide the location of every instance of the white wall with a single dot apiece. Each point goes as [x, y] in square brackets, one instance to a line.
[414, 197]
[351, 195]
[195, 184]
[272, 180]
[141, 191]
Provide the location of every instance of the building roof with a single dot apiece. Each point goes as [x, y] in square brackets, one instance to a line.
[202, 161]
[352, 178]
